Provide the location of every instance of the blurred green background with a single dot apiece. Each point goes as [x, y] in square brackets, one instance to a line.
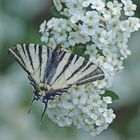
[19, 23]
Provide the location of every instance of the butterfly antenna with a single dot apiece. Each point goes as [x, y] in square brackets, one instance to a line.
[43, 112]
[31, 105]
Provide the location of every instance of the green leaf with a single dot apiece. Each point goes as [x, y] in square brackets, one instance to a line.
[86, 56]
[56, 13]
[78, 50]
[112, 94]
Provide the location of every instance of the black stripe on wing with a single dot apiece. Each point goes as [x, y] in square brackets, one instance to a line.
[87, 67]
[16, 55]
[35, 47]
[29, 55]
[54, 58]
[91, 77]
[40, 57]
[66, 66]
[77, 57]
[84, 71]
[22, 47]
[77, 70]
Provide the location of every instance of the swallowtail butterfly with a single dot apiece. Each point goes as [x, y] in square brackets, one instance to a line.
[52, 71]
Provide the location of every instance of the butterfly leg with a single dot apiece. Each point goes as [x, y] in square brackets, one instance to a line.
[35, 98]
[50, 96]
[31, 106]
[45, 101]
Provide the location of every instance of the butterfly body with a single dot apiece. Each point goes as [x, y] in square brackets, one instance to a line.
[52, 71]
[45, 92]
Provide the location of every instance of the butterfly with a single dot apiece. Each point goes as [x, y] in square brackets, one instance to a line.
[53, 71]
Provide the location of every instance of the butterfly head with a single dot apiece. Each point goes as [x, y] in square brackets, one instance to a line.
[40, 90]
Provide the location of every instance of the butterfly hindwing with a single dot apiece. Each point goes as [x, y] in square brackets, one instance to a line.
[57, 67]
[74, 69]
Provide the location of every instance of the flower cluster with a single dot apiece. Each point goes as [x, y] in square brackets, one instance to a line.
[102, 29]
[84, 107]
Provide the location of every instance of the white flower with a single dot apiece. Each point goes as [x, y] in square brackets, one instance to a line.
[134, 23]
[101, 106]
[124, 25]
[104, 126]
[65, 44]
[98, 5]
[99, 121]
[91, 18]
[118, 64]
[74, 7]
[44, 37]
[68, 103]
[109, 115]
[106, 14]
[87, 29]
[115, 7]
[83, 38]
[73, 112]
[107, 99]
[50, 23]
[57, 4]
[85, 107]
[64, 121]
[93, 113]
[65, 12]
[59, 25]
[43, 27]
[107, 53]
[79, 96]
[75, 18]
[125, 52]
[129, 7]
[106, 37]
[68, 26]
[52, 43]
[100, 28]
[85, 3]
[60, 36]
[93, 99]
[73, 38]
[91, 50]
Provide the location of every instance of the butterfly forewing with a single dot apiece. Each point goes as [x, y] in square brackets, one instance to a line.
[32, 58]
[55, 67]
